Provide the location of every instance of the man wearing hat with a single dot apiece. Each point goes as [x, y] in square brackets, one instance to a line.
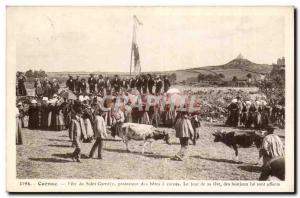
[71, 83]
[144, 84]
[272, 146]
[139, 84]
[116, 83]
[83, 85]
[21, 84]
[167, 84]
[77, 84]
[100, 133]
[132, 82]
[100, 84]
[184, 130]
[92, 83]
[77, 131]
[150, 83]
[158, 85]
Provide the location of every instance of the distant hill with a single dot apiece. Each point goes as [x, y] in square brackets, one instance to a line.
[238, 67]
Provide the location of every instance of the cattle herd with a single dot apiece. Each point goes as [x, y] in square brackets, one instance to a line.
[111, 108]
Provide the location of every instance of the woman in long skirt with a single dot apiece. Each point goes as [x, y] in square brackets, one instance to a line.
[44, 113]
[57, 119]
[19, 138]
[33, 115]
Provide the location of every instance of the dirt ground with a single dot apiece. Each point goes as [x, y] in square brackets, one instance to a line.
[46, 154]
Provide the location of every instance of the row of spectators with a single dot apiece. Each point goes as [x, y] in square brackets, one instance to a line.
[143, 83]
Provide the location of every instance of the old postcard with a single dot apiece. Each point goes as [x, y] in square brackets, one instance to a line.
[150, 99]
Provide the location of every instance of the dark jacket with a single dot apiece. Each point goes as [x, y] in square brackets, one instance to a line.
[71, 84]
[167, 84]
[92, 82]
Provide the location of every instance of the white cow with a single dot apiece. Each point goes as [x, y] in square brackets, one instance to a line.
[139, 132]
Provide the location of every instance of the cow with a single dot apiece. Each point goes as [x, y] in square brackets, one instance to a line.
[239, 139]
[139, 132]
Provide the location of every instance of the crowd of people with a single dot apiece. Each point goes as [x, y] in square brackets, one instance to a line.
[93, 108]
[257, 114]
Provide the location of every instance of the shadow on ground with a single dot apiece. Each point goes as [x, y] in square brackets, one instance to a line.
[58, 140]
[68, 155]
[249, 168]
[64, 146]
[63, 136]
[146, 154]
[218, 160]
[53, 160]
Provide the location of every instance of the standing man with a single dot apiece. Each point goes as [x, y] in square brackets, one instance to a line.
[184, 130]
[83, 86]
[145, 84]
[77, 85]
[139, 83]
[77, 128]
[116, 83]
[124, 84]
[100, 134]
[159, 85]
[21, 84]
[71, 83]
[150, 83]
[167, 84]
[132, 82]
[100, 84]
[92, 83]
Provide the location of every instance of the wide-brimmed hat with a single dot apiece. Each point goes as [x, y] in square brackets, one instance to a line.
[19, 104]
[270, 128]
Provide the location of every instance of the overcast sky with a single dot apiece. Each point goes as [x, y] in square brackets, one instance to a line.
[97, 39]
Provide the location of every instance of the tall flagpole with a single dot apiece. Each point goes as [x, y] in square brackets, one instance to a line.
[133, 38]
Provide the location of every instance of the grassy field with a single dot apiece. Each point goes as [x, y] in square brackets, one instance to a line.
[46, 154]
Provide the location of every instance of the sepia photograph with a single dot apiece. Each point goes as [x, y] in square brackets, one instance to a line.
[149, 99]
